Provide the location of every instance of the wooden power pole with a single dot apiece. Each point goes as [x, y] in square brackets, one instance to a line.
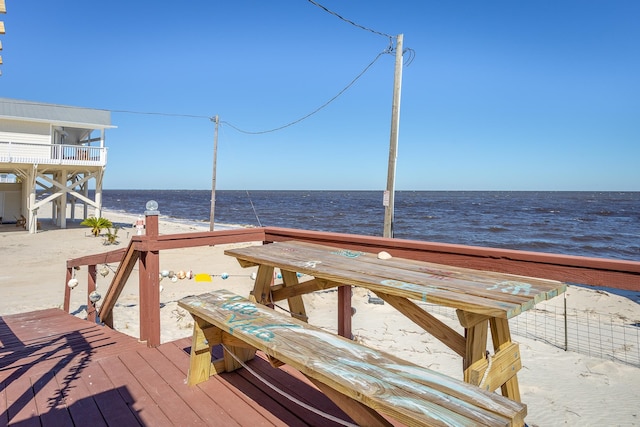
[215, 120]
[389, 195]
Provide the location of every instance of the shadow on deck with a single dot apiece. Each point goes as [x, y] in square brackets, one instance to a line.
[59, 370]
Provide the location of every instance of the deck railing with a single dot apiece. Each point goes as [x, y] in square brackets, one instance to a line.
[145, 250]
[52, 154]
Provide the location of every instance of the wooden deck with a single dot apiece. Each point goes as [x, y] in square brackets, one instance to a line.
[59, 370]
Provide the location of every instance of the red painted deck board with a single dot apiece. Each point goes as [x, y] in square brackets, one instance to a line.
[59, 370]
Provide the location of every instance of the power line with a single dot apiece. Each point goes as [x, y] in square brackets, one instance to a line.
[388, 50]
[71, 107]
[349, 21]
[151, 113]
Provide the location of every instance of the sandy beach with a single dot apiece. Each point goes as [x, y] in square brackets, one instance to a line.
[560, 388]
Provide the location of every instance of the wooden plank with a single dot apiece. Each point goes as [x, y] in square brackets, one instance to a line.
[127, 263]
[468, 319]
[262, 286]
[4, 414]
[267, 405]
[141, 403]
[91, 286]
[96, 259]
[21, 406]
[296, 385]
[204, 337]
[206, 238]
[329, 359]
[476, 340]
[331, 264]
[361, 414]
[330, 353]
[504, 365]
[344, 311]
[505, 287]
[88, 390]
[67, 290]
[162, 393]
[82, 408]
[501, 337]
[149, 295]
[51, 347]
[280, 293]
[296, 304]
[196, 399]
[50, 401]
[109, 399]
[621, 274]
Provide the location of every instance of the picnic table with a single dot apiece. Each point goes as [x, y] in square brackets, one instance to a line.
[484, 301]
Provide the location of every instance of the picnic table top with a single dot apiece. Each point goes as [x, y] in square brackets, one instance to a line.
[483, 292]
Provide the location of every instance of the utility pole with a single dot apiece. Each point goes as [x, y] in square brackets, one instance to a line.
[215, 120]
[389, 195]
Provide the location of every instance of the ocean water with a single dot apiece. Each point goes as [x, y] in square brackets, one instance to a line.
[595, 224]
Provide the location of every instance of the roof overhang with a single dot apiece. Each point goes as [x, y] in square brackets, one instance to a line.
[57, 115]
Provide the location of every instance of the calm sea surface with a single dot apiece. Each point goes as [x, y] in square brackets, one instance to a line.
[600, 224]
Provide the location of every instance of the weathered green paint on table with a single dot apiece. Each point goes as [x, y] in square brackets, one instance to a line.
[407, 392]
[484, 300]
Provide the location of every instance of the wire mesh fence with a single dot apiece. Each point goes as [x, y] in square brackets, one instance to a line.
[601, 335]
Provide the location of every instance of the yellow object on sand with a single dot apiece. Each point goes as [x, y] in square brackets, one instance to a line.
[203, 277]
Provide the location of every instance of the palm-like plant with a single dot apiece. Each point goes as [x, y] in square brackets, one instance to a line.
[96, 224]
[111, 237]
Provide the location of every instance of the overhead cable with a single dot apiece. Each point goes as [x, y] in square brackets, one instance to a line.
[349, 21]
[317, 109]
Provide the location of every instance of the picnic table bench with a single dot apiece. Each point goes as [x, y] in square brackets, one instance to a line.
[365, 383]
[483, 300]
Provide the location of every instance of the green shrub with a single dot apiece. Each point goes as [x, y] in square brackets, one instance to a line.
[97, 224]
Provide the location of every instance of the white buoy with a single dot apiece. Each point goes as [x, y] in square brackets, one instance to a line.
[72, 283]
[94, 297]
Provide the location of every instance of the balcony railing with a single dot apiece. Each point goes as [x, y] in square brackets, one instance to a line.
[52, 154]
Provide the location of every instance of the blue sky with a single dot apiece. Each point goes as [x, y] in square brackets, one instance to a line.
[500, 95]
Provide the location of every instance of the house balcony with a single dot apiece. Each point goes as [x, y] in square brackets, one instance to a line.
[52, 154]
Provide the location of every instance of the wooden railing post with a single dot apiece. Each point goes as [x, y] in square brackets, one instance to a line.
[91, 286]
[149, 278]
[67, 290]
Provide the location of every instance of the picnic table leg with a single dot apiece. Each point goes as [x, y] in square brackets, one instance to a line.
[501, 337]
[262, 286]
[296, 304]
[476, 328]
[476, 348]
[205, 336]
[345, 311]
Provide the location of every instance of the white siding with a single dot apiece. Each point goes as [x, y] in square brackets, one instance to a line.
[20, 131]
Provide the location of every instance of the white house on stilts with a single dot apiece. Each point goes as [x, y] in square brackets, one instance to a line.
[50, 154]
